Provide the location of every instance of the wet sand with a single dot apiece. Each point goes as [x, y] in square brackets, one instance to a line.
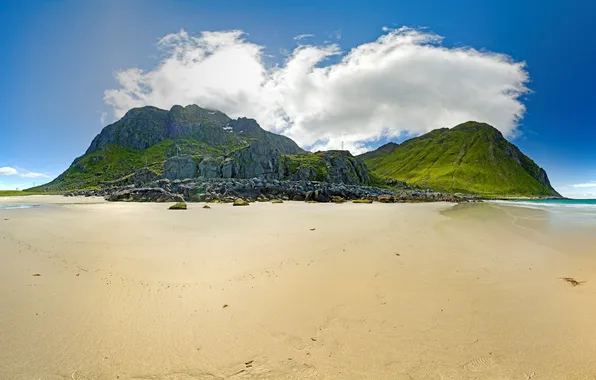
[381, 291]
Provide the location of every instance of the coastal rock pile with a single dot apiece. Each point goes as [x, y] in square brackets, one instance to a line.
[228, 190]
[153, 194]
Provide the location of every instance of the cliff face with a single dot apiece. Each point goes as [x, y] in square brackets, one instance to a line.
[260, 161]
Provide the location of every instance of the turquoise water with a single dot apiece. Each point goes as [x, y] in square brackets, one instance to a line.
[14, 206]
[569, 205]
[562, 202]
[562, 212]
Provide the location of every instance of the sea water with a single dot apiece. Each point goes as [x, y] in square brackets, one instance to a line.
[582, 206]
[569, 213]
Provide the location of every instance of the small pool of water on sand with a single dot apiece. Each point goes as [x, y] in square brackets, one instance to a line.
[14, 206]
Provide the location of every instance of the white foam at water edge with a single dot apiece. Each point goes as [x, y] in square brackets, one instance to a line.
[539, 205]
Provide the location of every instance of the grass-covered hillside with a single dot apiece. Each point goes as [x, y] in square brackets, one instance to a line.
[469, 158]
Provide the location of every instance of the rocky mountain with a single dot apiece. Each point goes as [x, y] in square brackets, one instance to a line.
[149, 143]
[469, 158]
[145, 127]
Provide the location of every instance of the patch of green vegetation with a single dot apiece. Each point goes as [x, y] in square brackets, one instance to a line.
[22, 193]
[362, 201]
[314, 161]
[13, 193]
[470, 158]
[378, 180]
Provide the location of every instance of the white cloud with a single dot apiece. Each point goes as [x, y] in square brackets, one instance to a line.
[403, 82]
[584, 185]
[33, 175]
[303, 36]
[102, 118]
[8, 171]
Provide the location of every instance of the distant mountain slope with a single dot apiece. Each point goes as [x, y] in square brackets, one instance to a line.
[471, 157]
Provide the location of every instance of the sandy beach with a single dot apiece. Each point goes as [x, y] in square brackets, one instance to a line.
[292, 291]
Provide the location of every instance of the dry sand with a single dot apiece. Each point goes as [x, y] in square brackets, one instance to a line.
[398, 291]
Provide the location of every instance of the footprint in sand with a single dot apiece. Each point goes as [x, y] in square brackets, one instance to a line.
[182, 375]
[382, 297]
[479, 364]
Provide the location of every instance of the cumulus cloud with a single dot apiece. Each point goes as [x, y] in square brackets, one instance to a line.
[8, 171]
[404, 82]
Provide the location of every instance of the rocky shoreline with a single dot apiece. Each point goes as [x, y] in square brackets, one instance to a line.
[259, 189]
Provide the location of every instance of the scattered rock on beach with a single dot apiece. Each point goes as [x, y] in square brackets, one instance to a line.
[385, 199]
[362, 201]
[240, 202]
[36, 274]
[178, 206]
[277, 201]
[206, 206]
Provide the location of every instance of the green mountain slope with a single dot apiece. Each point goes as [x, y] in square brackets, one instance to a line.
[470, 158]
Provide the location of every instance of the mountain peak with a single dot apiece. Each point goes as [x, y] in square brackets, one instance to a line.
[144, 127]
[471, 126]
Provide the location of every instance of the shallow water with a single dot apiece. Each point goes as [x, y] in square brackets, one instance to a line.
[15, 206]
[569, 230]
[561, 213]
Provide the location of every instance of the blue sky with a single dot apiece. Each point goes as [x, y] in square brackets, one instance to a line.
[60, 57]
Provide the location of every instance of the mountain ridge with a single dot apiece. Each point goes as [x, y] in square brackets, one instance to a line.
[149, 143]
[143, 127]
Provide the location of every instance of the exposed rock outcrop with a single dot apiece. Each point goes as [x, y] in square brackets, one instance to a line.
[342, 167]
[180, 167]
